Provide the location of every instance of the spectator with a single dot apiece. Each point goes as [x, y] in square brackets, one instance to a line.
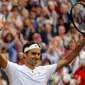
[73, 33]
[79, 75]
[51, 53]
[37, 38]
[53, 14]
[64, 14]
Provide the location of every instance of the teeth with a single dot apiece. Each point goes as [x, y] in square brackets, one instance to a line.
[21, 53]
[32, 62]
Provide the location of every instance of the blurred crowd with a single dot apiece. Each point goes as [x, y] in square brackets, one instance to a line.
[48, 23]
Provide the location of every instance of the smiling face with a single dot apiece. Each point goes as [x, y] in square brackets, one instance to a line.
[32, 57]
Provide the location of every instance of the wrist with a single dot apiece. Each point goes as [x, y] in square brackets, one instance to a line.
[82, 42]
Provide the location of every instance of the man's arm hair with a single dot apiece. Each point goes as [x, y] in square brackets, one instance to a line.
[65, 61]
[3, 61]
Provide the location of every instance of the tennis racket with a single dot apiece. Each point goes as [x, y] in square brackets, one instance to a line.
[78, 17]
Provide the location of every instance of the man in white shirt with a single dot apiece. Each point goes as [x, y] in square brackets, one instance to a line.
[29, 74]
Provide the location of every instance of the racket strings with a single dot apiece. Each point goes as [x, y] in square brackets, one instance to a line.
[82, 27]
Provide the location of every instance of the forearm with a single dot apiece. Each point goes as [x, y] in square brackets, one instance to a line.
[63, 62]
[3, 61]
[75, 52]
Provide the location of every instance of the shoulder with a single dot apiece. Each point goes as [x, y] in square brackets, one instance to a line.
[11, 65]
[47, 67]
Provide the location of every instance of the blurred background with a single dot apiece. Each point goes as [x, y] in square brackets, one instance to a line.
[48, 23]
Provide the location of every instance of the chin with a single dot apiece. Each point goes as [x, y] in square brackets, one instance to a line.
[34, 64]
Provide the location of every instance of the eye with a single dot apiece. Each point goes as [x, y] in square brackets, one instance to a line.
[39, 54]
[35, 53]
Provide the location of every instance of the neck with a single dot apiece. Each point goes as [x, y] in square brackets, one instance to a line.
[30, 66]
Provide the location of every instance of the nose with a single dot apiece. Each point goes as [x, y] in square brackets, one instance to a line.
[37, 56]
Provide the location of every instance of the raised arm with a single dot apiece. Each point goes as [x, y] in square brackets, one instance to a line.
[3, 59]
[63, 62]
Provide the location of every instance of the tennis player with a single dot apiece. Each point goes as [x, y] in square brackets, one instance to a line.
[29, 74]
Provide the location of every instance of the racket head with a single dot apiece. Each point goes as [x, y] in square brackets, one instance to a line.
[78, 17]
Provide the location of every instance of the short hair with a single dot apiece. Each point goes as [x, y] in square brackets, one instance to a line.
[29, 44]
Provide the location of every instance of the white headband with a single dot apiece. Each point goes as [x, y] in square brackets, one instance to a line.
[31, 47]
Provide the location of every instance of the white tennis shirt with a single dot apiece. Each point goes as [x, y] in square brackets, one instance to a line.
[22, 75]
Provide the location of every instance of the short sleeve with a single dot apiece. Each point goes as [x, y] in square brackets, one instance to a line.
[10, 69]
[50, 69]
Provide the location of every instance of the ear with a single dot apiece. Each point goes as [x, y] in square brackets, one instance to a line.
[24, 55]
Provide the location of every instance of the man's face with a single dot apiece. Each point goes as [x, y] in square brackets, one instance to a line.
[33, 56]
[63, 9]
